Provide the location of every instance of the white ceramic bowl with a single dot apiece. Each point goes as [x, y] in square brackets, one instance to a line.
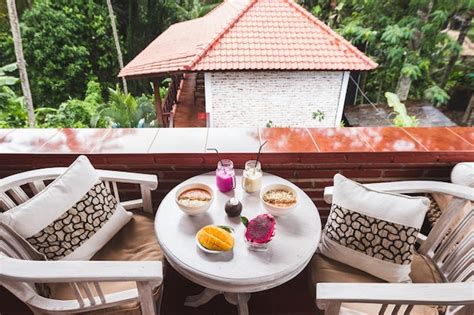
[194, 210]
[278, 211]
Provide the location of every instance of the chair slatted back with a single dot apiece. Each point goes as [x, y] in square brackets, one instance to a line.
[19, 188]
[450, 244]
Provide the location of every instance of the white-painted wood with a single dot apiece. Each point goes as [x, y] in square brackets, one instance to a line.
[342, 99]
[146, 197]
[410, 187]
[18, 194]
[37, 186]
[240, 271]
[35, 179]
[79, 271]
[208, 98]
[5, 201]
[81, 275]
[147, 303]
[450, 245]
[399, 293]
[202, 298]
[51, 173]
[99, 291]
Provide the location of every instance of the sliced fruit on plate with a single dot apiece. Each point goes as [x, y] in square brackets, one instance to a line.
[215, 237]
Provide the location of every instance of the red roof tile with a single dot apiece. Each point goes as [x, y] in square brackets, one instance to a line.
[249, 35]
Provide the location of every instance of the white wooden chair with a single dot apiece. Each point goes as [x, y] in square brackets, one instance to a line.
[89, 281]
[449, 246]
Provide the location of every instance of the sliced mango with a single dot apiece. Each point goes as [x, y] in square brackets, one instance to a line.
[215, 238]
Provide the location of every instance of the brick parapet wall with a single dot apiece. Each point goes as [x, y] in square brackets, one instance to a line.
[287, 98]
[311, 172]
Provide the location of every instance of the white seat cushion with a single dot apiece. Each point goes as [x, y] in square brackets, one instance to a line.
[72, 218]
[463, 174]
[373, 231]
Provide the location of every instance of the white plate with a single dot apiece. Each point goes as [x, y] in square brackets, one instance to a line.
[210, 251]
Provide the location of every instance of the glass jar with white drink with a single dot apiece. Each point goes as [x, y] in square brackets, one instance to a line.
[252, 176]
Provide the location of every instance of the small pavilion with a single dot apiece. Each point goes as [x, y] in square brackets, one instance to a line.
[249, 62]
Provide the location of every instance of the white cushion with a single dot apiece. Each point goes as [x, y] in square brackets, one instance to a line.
[373, 231]
[463, 174]
[72, 218]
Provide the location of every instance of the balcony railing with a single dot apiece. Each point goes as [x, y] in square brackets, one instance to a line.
[307, 157]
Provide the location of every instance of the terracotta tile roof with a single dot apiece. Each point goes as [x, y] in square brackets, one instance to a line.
[249, 35]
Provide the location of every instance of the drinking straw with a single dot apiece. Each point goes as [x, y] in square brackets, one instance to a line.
[218, 156]
[259, 151]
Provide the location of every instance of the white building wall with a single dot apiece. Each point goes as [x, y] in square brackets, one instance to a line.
[287, 98]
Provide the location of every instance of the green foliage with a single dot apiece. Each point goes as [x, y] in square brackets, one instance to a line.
[403, 37]
[66, 44]
[12, 109]
[436, 95]
[190, 9]
[401, 119]
[318, 115]
[73, 113]
[125, 111]
[8, 79]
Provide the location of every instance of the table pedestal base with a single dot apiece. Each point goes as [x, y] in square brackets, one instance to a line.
[239, 299]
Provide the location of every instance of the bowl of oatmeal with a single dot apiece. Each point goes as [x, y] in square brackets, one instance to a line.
[279, 199]
[194, 199]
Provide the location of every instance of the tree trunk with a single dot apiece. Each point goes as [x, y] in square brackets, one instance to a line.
[404, 81]
[20, 59]
[462, 35]
[117, 42]
[403, 87]
[362, 86]
[159, 106]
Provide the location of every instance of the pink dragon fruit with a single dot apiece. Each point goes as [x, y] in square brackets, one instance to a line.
[260, 230]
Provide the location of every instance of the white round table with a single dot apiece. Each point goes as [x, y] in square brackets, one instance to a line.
[237, 273]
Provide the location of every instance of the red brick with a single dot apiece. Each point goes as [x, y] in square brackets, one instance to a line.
[413, 157]
[376, 157]
[403, 173]
[323, 158]
[440, 172]
[326, 174]
[362, 173]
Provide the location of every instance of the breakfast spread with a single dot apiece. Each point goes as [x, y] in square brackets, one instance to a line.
[280, 198]
[216, 238]
[194, 197]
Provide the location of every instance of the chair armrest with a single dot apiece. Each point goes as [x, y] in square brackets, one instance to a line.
[148, 180]
[408, 187]
[77, 271]
[460, 293]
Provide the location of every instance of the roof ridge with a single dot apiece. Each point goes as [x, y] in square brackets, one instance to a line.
[219, 35]
[330, 31]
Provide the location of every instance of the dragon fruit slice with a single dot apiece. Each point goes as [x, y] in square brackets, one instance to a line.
[261, 229]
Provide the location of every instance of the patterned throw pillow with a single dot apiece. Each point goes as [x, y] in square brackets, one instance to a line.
[373, 231]
[72, 218]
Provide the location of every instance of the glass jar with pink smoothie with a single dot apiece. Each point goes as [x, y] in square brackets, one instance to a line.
[225, 175]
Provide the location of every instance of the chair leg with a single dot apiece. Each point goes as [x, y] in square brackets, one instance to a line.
[145, 294]
[159, 300]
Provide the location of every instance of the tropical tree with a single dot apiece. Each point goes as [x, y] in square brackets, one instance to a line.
[67, 44]
[465, 26]
[191, 9]
[12, 109]
[25, 84]
[117, 41]
[125, 111]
